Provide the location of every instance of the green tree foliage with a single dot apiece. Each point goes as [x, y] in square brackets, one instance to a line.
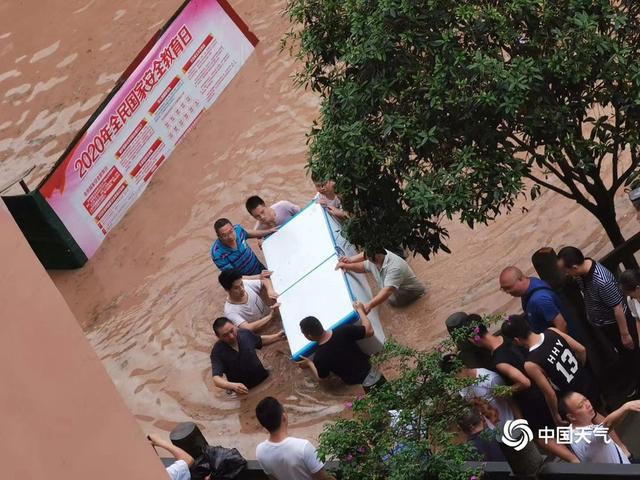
[419, 440]
[435, 108]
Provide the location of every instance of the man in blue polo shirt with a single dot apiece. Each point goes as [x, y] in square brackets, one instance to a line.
[541, 304]
[231, 251]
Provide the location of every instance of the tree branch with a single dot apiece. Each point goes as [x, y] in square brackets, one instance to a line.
[635, 161]
[524, 146]
[529, 149]
[549, 186]
[566, 170]
[553, 170]
[614, 164]
[616, 151]
[576, 172]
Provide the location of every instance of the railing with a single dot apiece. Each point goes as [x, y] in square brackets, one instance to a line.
[622, 254]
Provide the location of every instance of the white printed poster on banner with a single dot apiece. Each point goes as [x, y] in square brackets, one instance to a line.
[182, 75]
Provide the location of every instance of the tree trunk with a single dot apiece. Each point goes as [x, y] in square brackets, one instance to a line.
[607, 218]
[606, 215]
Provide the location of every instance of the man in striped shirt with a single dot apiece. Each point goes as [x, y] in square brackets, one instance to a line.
[231, 251]
[606, 309]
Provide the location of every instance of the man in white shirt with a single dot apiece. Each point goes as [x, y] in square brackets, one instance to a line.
[482, 390]
[283, 457]
[328, 198]
[630, 285]
[394, 276]
[590, 432]
[244, 305]
[270, 217]
[178, 470]
[487, 380]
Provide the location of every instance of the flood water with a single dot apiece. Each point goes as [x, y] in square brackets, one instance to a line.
[146, 300]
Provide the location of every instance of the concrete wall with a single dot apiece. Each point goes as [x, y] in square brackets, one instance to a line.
[501, 471]
[61, 415]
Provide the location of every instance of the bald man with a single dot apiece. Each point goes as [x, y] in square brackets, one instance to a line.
[541, 304]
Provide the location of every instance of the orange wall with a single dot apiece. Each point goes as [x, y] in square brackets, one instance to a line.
[61, 417]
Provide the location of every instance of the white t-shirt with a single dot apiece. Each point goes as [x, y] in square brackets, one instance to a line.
[634, 306]
[254, 309]
[588, 443]
[334, 202]
[484, 390]
[284, 210]
[179, 470]
[291, 459]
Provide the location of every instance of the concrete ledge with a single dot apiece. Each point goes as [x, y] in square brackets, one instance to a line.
[501, 471]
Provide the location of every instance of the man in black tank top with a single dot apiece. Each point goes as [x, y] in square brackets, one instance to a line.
[555, 363]
[508, 360]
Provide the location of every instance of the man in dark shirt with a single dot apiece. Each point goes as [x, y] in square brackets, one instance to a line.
[606, 310]
[541, 304]
[474, 426]
[508, 360]
[555, 362]
[339, 353]
[234, 355]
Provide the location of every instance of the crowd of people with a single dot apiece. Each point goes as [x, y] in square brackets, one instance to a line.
[540, 354]
[549, 371]
[252, 304]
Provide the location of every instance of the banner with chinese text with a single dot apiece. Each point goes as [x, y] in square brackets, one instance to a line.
[181, 75]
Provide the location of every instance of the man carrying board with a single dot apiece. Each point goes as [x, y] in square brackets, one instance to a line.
[234, 356]
[338, 351]
[394, 276]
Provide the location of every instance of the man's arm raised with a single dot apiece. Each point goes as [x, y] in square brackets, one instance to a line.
[366, 323]
[177, 452]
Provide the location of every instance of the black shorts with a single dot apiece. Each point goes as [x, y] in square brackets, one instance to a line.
[534, 409]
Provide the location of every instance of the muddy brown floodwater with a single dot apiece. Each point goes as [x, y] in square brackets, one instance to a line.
[147, 298]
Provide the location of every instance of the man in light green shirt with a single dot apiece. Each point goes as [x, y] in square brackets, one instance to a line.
[394, 276]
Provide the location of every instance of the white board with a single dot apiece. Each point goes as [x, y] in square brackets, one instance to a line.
[303, 254]
[359, 288]
[342, 246]
[323, 294]
[301, 244]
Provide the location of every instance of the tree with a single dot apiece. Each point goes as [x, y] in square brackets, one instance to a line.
[418, 440]
[435, 108]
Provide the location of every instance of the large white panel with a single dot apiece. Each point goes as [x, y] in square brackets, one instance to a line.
[323, 294]
[343, 247]
[360, 289]
[298, 247]
[303, 256]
